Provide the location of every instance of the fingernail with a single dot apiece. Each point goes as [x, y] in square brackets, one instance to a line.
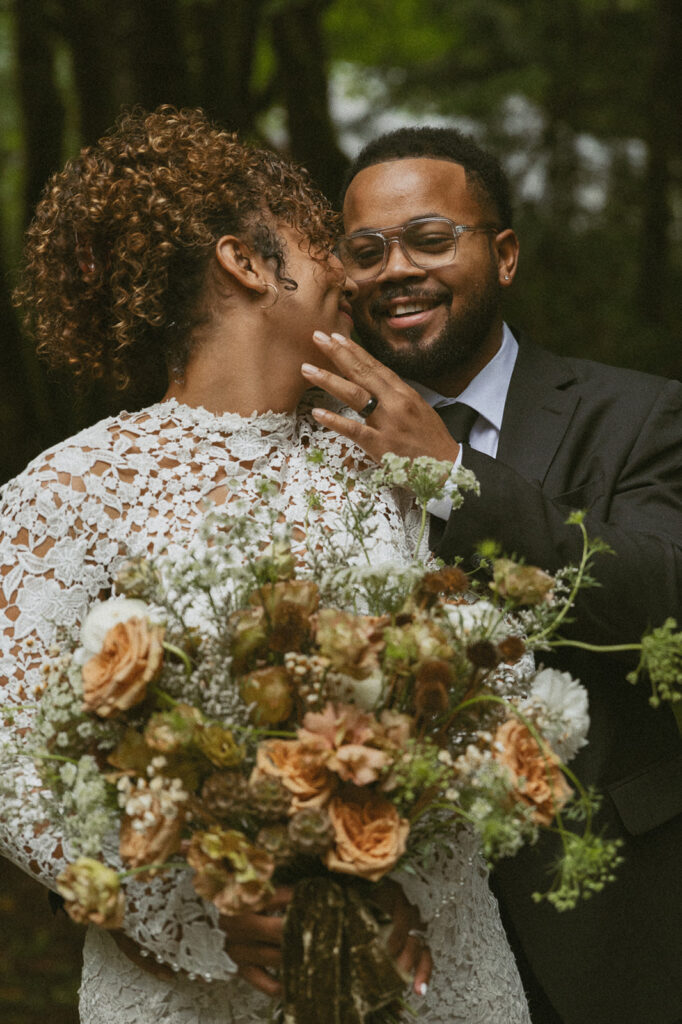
[339, 337]
[321, 337]
[423, 988]
[311, 370]
[320, 414]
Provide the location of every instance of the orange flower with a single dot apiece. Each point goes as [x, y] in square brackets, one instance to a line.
[117, 678]
[536, 776]
[369, 836]
[300, 767]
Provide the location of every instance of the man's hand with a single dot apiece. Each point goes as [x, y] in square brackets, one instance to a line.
[402, 422]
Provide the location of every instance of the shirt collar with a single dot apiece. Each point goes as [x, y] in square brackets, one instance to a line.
[487, 392]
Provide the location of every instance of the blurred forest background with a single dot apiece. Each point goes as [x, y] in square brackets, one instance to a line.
[581, 99]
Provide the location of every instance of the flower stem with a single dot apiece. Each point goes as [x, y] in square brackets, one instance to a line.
[182, 655]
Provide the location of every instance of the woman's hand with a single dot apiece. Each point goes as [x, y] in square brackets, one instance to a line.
[407, 941]
[254, 942]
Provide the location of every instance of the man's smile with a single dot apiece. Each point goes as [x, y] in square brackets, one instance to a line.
[405, 310]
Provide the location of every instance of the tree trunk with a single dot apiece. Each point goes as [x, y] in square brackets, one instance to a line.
[91, 29]
[302, 74]
[41, 105]
[663, 142]
[227, 36]
[158, 64]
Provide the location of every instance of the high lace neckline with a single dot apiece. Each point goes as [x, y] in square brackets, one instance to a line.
[227, 421]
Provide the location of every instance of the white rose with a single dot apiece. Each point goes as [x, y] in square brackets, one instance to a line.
[103, 616]
[364, 693]
[563, 707]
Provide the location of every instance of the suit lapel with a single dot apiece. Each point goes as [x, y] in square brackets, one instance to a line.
[540, 403]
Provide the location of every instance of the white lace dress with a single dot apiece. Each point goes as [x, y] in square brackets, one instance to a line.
[132, 484]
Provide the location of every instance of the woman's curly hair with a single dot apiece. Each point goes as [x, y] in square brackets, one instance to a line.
[116, 255]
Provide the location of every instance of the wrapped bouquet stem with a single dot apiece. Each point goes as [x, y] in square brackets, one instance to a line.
[336, 966]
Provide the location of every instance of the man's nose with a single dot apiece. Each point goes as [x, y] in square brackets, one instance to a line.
[397, 264]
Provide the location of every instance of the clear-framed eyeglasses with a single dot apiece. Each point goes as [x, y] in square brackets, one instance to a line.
[427, 242]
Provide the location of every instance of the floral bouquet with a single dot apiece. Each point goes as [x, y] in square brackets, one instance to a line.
[257, 718]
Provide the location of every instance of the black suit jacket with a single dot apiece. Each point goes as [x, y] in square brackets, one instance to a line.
[577, 434]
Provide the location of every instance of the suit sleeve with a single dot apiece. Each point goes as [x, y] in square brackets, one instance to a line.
[639, 515]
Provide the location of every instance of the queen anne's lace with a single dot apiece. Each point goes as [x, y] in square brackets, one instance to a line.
[130, 485]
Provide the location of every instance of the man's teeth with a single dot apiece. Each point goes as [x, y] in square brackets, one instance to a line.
[404, 308]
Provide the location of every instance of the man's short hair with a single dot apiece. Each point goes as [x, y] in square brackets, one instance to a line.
[483, 171]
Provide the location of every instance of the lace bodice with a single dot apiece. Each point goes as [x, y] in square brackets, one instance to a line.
[136, 483]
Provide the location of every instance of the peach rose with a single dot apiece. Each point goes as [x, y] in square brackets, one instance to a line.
[300, 767]
[117, 678]
[369, 835]
[536, 777]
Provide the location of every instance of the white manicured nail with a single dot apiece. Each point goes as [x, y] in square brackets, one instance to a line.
[423, 988]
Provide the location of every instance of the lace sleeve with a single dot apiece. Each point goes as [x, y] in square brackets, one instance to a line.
[59, 547]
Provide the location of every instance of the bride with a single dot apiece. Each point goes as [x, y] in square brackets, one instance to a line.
[169, 251]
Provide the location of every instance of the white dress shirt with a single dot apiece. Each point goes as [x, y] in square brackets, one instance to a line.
[487, 394]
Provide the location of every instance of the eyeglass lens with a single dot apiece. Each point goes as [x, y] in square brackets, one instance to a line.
[427, 243]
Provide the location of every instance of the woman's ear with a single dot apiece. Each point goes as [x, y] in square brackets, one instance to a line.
[245, 266]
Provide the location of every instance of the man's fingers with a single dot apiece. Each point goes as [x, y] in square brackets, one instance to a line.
[355, 363]
[356, 396]
[352, 429]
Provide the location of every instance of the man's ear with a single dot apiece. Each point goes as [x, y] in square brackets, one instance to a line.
[244, 266]
[507, 247]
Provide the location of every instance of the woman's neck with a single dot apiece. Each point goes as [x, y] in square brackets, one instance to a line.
[243, 373]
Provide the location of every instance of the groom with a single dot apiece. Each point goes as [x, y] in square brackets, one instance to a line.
[430, 245]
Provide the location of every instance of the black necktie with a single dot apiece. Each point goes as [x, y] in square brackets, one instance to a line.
[459, 418]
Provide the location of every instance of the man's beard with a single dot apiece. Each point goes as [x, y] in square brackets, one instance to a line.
[461, 339]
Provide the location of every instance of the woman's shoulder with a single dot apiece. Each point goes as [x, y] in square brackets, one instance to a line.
[102, 444]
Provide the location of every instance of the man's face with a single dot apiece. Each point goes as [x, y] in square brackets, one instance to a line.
[436, 324]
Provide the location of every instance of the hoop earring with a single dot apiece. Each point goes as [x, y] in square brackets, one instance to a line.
[275, 290]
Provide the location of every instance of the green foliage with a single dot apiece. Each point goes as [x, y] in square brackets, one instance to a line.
[588, 863]
[661, 659]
